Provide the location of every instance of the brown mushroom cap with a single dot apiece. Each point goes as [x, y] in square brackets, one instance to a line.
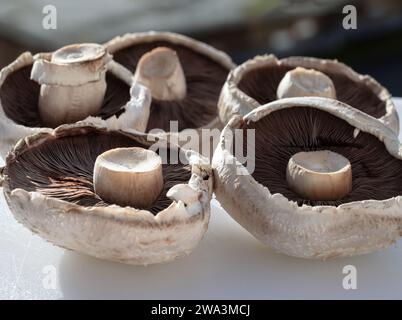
[48, 187]
[62, 168]
[262, 83]
[19, 97]
[367, 219]
[377, 175]
[256, 81]
[205, 70]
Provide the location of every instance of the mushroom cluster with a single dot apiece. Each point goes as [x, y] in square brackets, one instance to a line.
[265, 79]
[89, 174]
[326, 181]
[96, 186]
[107, 194]
[76, 82]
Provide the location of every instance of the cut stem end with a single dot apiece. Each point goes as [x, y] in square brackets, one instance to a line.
[160, 70]
[319, 175]
[129, 177]
[301, 82]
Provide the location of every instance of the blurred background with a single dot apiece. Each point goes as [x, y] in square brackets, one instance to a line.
[242, 28]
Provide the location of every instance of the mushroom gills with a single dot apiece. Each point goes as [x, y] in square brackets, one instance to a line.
[376, 173]
[262, 84]
[64, 169]
[20, 96]
[203, 77]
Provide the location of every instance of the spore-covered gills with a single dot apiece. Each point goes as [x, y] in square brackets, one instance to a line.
[62, 168]
[19, 97]
[377, 175]
[204, 79]
[262, 83]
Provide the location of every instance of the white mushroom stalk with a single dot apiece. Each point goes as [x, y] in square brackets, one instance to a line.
[301, 82]
[161, 72]
[319, 175]
[72, 82]
[129, 176]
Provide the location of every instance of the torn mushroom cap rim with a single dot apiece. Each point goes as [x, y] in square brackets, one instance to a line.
[124, 214]
[232, 92]
[356, 118]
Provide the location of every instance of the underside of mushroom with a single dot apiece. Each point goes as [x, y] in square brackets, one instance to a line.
[112, 194]
[265, 78]
[184, 76]
[326, 181]
[121, 105]
[20, 96]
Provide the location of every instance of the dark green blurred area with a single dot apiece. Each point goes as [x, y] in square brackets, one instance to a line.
[294, 27]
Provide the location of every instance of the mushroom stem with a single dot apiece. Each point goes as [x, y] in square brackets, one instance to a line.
[319, 175]
[161, 72]
[129, 177]
[301, 82]
[72, 83]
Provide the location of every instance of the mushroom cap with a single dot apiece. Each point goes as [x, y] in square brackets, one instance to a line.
[364, 221]
[205, 69]
[125, 105]
[64, 210]
[254, 83]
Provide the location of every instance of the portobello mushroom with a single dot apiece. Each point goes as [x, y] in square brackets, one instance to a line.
[185, 77]
[107, 194]
[325, 181]
[265, 78]
[76, 82]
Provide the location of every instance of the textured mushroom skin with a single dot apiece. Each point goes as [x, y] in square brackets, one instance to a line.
[233, 101]
[114, 233]
[319, 232]
[134, 114]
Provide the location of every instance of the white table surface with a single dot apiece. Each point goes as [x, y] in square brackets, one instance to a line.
[228, 264]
